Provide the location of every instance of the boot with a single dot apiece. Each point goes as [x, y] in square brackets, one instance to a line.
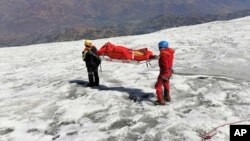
[157, 102]
[167, 96]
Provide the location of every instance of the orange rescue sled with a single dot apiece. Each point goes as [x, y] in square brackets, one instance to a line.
[123, 53]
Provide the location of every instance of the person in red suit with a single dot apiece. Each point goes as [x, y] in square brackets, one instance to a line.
[162, 85]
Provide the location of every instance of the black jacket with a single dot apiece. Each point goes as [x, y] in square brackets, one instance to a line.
[91, 59]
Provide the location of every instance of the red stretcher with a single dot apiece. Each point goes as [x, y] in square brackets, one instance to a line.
[111, 52]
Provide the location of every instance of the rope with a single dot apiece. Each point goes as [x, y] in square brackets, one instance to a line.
[94, 55]
[213, 132]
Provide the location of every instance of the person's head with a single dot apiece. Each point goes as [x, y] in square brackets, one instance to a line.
[88, 43]
[162, 45]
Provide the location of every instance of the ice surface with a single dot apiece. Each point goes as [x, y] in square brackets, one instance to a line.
[43, 97]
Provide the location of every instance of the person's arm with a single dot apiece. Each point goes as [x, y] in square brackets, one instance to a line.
[84, 55]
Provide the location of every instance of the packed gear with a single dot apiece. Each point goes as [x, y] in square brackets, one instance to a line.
[165, 63]
[92, 62]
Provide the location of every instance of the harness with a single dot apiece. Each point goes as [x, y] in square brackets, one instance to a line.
[167, 78]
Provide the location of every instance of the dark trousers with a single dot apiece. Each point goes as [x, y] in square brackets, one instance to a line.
[93, 76]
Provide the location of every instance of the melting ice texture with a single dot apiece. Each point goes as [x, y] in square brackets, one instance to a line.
[43, 95]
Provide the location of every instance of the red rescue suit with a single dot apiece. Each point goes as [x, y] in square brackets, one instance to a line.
[165, 64]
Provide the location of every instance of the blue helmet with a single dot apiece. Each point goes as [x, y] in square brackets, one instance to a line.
[163, 44]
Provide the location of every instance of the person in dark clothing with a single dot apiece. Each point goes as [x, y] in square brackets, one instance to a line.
[92, 62]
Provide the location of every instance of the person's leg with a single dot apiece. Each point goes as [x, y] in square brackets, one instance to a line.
[96, 83]
[90, 76]
[167, 91]
[158, 87]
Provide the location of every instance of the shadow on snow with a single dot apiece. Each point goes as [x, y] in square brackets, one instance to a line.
[137, 95]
